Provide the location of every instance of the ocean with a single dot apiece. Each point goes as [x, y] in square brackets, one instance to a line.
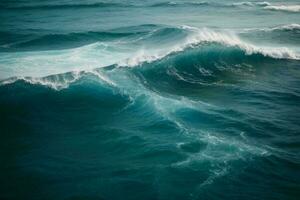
[150, 100]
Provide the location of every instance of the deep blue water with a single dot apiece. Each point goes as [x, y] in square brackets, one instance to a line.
[129, 99]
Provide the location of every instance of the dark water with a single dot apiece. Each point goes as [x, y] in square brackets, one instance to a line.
[149, 100]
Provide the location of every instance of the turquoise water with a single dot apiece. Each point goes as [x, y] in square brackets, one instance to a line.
[149, 99]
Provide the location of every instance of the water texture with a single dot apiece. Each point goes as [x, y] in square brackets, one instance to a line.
[149, 99]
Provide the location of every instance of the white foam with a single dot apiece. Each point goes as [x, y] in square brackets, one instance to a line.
[244, 3]
[288, 8]
[264, 3]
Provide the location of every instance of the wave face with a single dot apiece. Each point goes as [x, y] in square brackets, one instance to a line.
[149, 100]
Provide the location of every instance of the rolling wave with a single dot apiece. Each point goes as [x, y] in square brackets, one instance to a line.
[120, 47]
[204, 40]
[209, 54]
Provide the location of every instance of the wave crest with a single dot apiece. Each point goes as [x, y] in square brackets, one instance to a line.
[205, 35]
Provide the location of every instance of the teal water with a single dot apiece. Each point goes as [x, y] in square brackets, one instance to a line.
[149, 99]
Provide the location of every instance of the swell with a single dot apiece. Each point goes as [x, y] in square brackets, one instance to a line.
[63, 6]
[179, 4]
[258, 5]
[11, 41]
[265, 5]
[60, 41]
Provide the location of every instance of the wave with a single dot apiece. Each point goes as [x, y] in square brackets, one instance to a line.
[171, 4]
[268, 6]
[264, 3]
[199, 36]
[65, 6]
[213, 4]
[147, 108]
[287, 8]
[155, 43]
[207, 56]
[205, 66]
[63, 41]
[286, 28]
[248, 3]
[203, 39]
[14, 41]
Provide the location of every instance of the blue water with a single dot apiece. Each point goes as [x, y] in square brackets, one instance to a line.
[128, 99]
